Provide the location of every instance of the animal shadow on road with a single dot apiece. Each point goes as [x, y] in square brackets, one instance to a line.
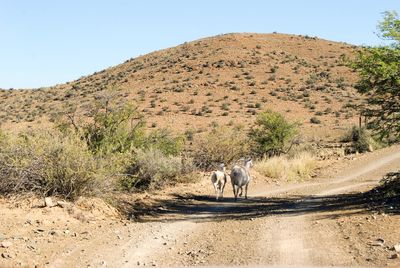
[206, 208]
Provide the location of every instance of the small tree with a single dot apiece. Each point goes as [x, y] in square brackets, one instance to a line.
[271, 133]
[117, 130]
[379, 70]
[110, 127]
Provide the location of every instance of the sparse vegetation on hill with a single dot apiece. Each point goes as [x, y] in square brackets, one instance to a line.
[233, 76]
[121, 168]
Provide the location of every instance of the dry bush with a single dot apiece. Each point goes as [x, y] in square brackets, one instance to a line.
[220, 145]
[48, 163]
[152, 169]
[90, 158]
[56, 163]
[300, 166]
[361, 139]
[274, 167]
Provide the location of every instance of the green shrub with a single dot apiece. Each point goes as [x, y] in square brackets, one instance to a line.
[274, 69]
[189, 134]
[271, 133]
[111, 130]
[315, 120]
[225, 106]
[164, 141]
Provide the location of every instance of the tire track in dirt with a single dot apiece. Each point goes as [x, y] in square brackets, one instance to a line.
[292, 238]
[297, 239]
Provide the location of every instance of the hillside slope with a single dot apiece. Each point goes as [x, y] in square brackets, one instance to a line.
[226, 79]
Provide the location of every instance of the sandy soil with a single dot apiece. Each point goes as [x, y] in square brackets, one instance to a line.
[321, 222]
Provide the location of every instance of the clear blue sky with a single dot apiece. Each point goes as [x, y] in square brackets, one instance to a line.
[46, 42]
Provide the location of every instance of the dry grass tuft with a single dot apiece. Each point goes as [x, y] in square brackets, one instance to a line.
[299, 167]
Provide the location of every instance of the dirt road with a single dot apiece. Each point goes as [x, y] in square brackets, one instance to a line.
[323, 222]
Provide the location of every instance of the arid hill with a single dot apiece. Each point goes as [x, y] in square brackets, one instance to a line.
[221, 80]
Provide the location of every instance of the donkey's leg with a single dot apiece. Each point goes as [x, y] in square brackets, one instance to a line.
[216, 191]
[222, 190]
[235, 191]
[245, 190]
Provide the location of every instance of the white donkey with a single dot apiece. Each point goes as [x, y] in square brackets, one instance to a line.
[240, 176]
[218, 179]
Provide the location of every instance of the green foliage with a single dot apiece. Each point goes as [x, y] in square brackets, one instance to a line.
[271, 133]
[379, 69]
[390, 26]
[164, 141]
[117, 134]
[390, 185]
[362, 141]
[120, 129]
[114, 130]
